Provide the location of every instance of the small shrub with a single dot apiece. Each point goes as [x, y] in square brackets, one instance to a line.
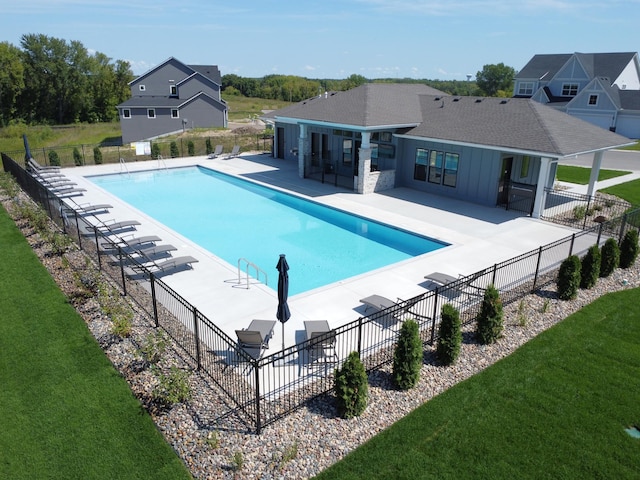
[569, 278]
[213, 440]
[8, 185]
[449, 335]
[579, 212]
[489, 322]
[54, 159]
[172, 387]
[77, 157]
[290, 453]
[522, 314]
[191, 148]
[153, 347]
[545, 306]
[173, 149]
[590, 268]
[237, 461]
[59, 242]
[122, 323]
[207, 146]
[610, 257]
[155, 151]
[407, 356]
[351, 387]
[97, 156]
[629, 248]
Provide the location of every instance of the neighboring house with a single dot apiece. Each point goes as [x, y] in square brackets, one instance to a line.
[491, 151]
[170, 98]
[601, 88]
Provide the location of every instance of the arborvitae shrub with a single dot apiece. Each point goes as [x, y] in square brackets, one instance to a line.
[155, 151]
[407, 356]
[173, 148]
[629, 248]
[569, 277]
[351, 387]
[489, 324]
[54, 159]
[590, 268]
[449, 335]
[191, 148]
[77, 158]
[208, 147]
[97, 155]
[610, 257]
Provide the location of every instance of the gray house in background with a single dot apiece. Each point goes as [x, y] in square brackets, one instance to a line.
[491, 151]
[600, 88]
[171, 98]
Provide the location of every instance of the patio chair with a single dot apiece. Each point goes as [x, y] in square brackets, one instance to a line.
[322, 342]
[33, 165]
[110, 226]
[234, 152]
[89, 208]
[442, 280]
[171, 264]
[217, 152]
[255, 338]
[379, 303]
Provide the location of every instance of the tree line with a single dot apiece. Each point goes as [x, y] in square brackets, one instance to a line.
[50, 80]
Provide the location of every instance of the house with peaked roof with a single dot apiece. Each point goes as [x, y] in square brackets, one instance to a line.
[600, 88]
[171, 98]
[491, 151]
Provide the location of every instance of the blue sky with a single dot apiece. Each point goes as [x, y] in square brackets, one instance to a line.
[432, 39]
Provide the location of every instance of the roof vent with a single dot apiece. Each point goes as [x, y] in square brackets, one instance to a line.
[505, 101]
[478, 100]
[457, 99]
[436, 99]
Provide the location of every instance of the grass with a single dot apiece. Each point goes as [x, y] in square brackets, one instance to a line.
[580, 175]
[66, 412]
[556, 408]
[630, 191]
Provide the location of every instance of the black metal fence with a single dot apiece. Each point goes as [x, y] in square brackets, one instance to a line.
[261, 391]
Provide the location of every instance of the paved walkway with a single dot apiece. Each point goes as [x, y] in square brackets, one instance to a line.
[478, 236]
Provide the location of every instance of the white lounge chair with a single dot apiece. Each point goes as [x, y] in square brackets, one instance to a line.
[255, 338]
[172, 263]
[234, 152]
[217, 152]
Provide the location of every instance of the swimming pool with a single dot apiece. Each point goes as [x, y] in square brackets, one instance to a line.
[234, 218]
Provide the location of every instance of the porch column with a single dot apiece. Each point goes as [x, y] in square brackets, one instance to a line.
[595, 171]
[303, 147]
[541, 195]
[364, 165]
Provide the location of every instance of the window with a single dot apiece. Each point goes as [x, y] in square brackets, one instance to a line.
[126, 113]
[435, 167]
[347, 151]
[142, 88]
[593, 99]
[525, 88]
[524, 168]
[174, 113]
[173, 89]
[381, 137]
[151, 113]
[569, 89]
[420, 167]
[450, 169]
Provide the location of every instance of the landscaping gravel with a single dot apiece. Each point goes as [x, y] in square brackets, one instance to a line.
[311, 439]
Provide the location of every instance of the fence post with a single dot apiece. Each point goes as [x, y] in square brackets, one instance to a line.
[435, 315]
[586, 213]
[258, 421]
[154, 303]
[600, 227]
[75, 214]
[493, 276]
[623, 225]
[124, 283]
[535, 276]
[197, 335]
[95, 233]
[360, 336]
[573, 239]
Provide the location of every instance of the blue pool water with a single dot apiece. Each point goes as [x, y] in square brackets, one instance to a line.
[234, 218]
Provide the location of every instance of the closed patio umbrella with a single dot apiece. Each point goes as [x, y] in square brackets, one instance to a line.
[283, 313]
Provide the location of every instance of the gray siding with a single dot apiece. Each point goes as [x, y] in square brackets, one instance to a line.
[157, 83]
[196, 84]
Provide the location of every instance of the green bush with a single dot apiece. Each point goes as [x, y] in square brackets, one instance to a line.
[97, 156]
[208, 147]
[54, 159]
[629, 248]
[489, 322]
[590, 268]
[569, 277]
[155, 151]
[610, 257]
[172, 387]
[407, 356]
[449, 335]
[351, 387]
[77, 157]
[153, 347]
[191, 148]
[173, 149]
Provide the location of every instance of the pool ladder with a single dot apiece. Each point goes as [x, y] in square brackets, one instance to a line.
[247, 266]
[123, 165]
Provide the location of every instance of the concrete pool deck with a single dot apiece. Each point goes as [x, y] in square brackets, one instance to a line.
[479, 237]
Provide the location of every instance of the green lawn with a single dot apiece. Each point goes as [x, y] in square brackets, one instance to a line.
[630, 191]
[556, 408]
[65, 412]
[580, 175]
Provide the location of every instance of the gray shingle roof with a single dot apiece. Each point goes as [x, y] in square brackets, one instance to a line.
[369, 105]
[629, 99]
[515, 123]
[210, 71]
[543, 66]
[596, 64]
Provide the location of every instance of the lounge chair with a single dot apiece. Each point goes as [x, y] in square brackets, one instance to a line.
[217, 152]
[234, 152]
[171, 264]
[89, 208]
[379, 303]
[154, 250]
[322, 341]
[255, 338]
[461, 284]
[113, 226]
[41, 168]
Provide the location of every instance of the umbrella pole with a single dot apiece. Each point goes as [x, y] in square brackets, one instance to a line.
[282, 338]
